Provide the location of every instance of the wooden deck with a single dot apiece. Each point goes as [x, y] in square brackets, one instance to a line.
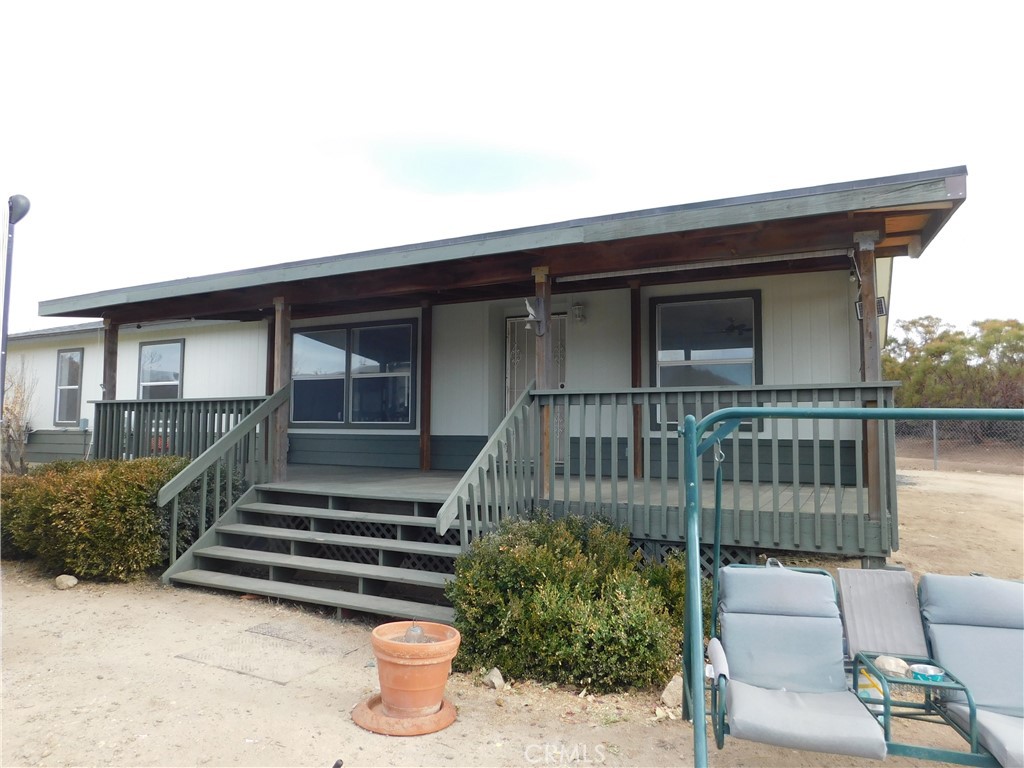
[369, 482]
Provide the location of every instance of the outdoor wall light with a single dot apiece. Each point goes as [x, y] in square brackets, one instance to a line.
[577, 313]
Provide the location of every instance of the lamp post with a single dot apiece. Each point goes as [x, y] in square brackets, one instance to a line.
[17, 207]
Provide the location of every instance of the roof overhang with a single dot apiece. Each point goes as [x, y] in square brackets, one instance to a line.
[776, 233]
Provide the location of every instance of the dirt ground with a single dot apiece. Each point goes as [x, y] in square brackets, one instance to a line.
[142, 675]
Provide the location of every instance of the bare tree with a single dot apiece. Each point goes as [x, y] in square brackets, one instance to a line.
[17, 405]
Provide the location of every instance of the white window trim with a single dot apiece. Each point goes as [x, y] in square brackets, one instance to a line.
[60, 388]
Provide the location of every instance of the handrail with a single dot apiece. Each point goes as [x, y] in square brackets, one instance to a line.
[450, 509]
[691, 432]
[205, 460]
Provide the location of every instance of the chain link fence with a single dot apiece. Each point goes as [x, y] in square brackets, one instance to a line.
[967, 446]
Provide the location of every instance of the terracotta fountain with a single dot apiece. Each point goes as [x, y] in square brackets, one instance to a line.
[414, 660]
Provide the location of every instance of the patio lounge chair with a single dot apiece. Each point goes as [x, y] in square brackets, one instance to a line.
[778, 665]
[975, 627]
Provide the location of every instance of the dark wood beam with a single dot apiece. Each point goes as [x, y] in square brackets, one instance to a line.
[110, 336]
[426, 377]
[636, 372]
[282, 378]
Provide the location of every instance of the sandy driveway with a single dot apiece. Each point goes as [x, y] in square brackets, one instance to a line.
[141, 675]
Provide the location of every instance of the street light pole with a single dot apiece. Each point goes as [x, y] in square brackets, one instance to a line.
[17, 207]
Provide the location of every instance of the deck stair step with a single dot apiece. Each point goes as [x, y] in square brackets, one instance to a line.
[292, 510]
[340, 539]
[376, 553]
[335, 598]
[326, 566]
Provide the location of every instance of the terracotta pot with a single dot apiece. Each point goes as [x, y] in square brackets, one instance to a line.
[413, 675]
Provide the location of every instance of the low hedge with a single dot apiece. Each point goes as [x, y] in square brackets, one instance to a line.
[567, 601]
[93, 519]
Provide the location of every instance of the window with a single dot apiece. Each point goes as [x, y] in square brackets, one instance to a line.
[707, 341]
[160, 370]
[354, 375]
[69, 386]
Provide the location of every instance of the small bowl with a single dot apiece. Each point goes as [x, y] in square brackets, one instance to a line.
[927, 672]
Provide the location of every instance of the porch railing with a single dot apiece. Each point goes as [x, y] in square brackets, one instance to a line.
[241, 458]
[791, 484]
[132, 429]
[501, 482]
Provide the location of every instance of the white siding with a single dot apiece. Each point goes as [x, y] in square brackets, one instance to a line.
[598, 348]
[38, 359]
[460, 361]
[221, 359]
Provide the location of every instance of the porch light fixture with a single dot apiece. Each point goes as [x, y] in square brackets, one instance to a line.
[577, 313]
[17, 207]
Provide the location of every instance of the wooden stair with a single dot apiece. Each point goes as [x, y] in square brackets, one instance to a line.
[373, 555]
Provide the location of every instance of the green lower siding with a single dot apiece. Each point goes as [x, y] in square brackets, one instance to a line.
[805, 460]
[457, 452]
[45, 445]
[391, 451]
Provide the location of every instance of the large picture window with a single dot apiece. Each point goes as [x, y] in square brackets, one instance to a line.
[68, 406]
[360, 376]
[160, 368]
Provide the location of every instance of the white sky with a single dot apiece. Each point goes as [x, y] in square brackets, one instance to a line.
[160, 140]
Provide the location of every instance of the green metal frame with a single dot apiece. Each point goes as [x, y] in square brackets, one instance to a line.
[698, 438]
[928, 710]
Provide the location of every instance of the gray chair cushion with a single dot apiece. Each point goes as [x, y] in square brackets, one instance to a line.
[989, 661]
[976, 629]
[776, 591]
[781, 629]
[834, 722]
[797, 653]
[979, 601]
[1002, 735]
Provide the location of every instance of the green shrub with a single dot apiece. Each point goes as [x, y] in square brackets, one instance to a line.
[562, 601]
[93, 519]
[12, 490]
[669, 578]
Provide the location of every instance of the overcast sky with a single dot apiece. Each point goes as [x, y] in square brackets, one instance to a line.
[160, 140]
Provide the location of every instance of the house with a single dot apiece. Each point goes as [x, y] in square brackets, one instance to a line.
[421, 359]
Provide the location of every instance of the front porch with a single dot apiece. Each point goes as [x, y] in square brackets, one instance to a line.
[384, 540]
[793, 484]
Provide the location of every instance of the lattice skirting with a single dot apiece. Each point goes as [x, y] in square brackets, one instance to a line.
[433, 563]
[659, 550]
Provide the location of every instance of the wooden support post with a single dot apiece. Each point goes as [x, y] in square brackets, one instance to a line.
[871, 363]
[545, 368]
[636, 374]
[282, 377]
[426, 378]
[110, 333]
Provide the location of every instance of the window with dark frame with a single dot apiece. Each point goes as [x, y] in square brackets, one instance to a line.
[68, 403]
[710, 340]
[355, 375]
[160, 369]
